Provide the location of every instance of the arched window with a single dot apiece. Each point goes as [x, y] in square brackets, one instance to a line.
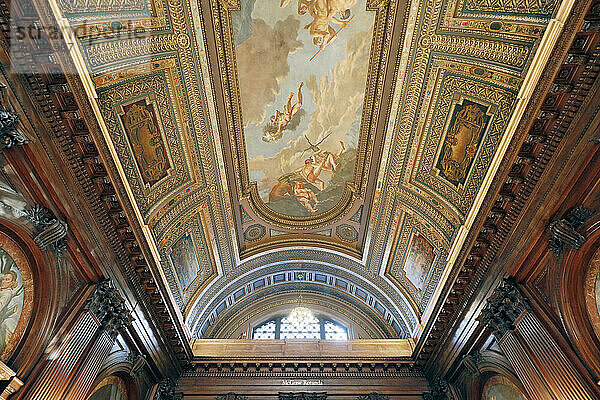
[301, 323]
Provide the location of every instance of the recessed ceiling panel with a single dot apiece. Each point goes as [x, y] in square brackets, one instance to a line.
[302, 71]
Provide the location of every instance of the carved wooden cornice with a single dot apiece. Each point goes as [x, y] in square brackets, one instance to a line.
[296, 369]
[566, 92]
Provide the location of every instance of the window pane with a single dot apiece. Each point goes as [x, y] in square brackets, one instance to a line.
[335, 332]
[266, 331]
[300, 324]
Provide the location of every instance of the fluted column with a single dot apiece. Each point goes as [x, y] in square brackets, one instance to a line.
[73, 366]
[541, 365]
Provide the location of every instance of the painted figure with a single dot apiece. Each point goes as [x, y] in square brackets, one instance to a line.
[305, 196]
[9, 307]
[461, 143]
[185, 261]
[280, 120]
[419, 260]
[324, 13]
[146, 141]
[318, 162]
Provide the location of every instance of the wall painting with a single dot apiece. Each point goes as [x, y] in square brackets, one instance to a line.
[110, 388]
[302, 70]
[468, 123]
[419, 260]
[186, 261]
[142, 129]
[500, 388]
[16, 295]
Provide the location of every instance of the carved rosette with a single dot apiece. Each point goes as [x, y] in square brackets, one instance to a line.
[503, 308]
[109, 308]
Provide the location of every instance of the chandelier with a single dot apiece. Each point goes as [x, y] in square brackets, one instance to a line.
[300, 316]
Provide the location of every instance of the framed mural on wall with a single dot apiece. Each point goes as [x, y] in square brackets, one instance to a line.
[501, 388]
[16, 295]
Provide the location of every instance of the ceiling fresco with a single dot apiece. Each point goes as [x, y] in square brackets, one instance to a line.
[330, 146]
[302, 72]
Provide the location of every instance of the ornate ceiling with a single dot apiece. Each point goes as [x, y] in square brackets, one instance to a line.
[334, 147]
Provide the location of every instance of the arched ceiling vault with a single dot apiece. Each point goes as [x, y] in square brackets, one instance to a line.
[371, 169]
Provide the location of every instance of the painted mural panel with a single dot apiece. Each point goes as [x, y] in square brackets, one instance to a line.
[468, 123]
[302, 69]
[142, 129]
[186, 263]
[16, 295]
[419, 260]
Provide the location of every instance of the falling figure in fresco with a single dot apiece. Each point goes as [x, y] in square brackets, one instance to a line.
[305, 196]
[320, 161]
[280, 120]
[324, 13]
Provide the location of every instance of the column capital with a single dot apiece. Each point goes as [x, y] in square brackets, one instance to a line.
[503, 308]
[440, 390]
[109, 308]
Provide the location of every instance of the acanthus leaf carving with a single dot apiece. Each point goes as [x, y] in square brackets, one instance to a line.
[503, 308]
[51, 230]
[109, 308]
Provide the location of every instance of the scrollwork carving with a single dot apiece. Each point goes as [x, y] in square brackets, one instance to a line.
[51, 230]
[564, 231]
[439, 391]
[166, 390]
